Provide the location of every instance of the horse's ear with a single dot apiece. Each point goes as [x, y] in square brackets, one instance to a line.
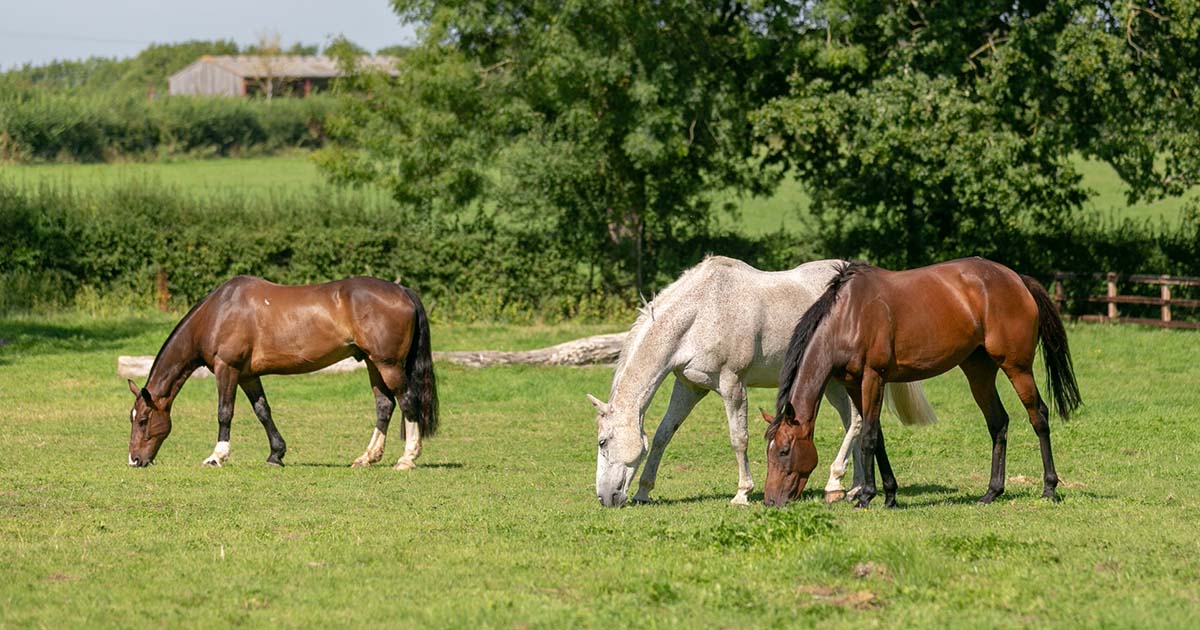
[137, 391]
[600, 405]
[768, 418]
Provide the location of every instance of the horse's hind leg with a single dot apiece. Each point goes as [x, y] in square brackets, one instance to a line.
[981, 374]
[1039, 417]
[683, 399]
[258, 400]
[385, 405]
[836, 394]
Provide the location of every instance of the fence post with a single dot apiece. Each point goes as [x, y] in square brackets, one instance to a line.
[160, 289]
[1060, 298]
[1112, 293]
[1166, 298]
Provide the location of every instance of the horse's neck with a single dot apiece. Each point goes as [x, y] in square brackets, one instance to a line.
[814, 372]
[649, 358]
[175, 362]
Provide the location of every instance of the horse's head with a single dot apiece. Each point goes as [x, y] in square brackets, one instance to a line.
[150, 425]
[791, 457]
[621, 447]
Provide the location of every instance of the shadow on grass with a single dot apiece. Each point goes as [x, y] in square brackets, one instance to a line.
[347, 466]
[29, 336]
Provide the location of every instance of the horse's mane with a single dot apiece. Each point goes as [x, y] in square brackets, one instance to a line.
[803, 334]
[661, 304]
[179, 327]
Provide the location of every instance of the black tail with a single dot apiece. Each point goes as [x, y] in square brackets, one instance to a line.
[1060, 372]
[805, 328]
[420, 402]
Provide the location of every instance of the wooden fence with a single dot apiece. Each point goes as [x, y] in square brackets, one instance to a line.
[1111, 298]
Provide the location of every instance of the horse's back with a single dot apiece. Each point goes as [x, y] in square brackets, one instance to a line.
[744, 317]
[268, 328]
[943, 312]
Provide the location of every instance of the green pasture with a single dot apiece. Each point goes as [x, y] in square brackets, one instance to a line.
[296, 172]
[499, 525]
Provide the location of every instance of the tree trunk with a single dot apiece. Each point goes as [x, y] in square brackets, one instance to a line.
[598, 349]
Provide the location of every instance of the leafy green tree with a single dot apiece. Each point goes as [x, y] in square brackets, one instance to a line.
[607, 123]
[930, 129]
[340, 47]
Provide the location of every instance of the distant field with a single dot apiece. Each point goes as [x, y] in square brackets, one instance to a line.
[499, 527]
[297, 172]
[253, 175]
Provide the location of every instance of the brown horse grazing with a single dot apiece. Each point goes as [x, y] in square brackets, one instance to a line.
[873, 326]
[249, 327]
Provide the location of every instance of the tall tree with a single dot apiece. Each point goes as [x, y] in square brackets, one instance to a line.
[606, 122]
[927, 129]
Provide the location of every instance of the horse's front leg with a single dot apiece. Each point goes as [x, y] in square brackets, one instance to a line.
[258, 400]
[227, 381]
[684, 397]
[733, 391]
[868, 397]
[836, 394]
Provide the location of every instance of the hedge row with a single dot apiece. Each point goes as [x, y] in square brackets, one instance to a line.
[41, 126]
[59, 242]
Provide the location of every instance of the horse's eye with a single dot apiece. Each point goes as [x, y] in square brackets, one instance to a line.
[603, 442]
[783, 452]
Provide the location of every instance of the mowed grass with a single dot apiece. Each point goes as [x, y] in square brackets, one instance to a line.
[499, 525]
[296, 172]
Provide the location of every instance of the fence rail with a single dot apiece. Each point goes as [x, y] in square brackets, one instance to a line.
[1112, 298]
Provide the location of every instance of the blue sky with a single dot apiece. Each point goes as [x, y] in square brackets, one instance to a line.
[42, 30]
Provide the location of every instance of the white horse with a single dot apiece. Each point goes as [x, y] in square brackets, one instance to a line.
[722, 326]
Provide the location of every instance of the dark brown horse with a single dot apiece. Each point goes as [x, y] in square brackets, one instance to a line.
[249, 327]
[873, 326]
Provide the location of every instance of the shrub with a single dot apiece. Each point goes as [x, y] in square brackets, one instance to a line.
[43, 126]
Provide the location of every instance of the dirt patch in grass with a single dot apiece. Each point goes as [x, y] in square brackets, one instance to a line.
[821, 595]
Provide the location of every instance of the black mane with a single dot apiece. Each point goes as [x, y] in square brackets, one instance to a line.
[803, 333]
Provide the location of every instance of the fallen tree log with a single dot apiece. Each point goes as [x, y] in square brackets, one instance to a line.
[587, 351]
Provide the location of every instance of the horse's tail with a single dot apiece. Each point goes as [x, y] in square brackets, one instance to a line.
[420, 400]
[803, 333]
[908, 402]
[1060, 373]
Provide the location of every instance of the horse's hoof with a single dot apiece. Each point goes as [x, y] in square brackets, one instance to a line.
[641, 501]
[833, 496]
[212, 463]
[360, 463]
[404, 464]
[274, 464]
[739, 500]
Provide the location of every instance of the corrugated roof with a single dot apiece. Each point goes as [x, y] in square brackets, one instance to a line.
[297, 66]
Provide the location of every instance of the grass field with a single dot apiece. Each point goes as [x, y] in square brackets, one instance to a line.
[499, 526]
[295, 172]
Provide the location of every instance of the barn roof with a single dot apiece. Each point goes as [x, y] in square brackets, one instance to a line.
[297, 66]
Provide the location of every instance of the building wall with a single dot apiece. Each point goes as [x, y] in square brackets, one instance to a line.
[205, 78]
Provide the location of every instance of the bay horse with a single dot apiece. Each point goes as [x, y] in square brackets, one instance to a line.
[873, 327]
[719, 327]
[248, 327]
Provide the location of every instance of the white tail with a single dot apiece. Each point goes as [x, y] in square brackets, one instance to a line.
[908, 402]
